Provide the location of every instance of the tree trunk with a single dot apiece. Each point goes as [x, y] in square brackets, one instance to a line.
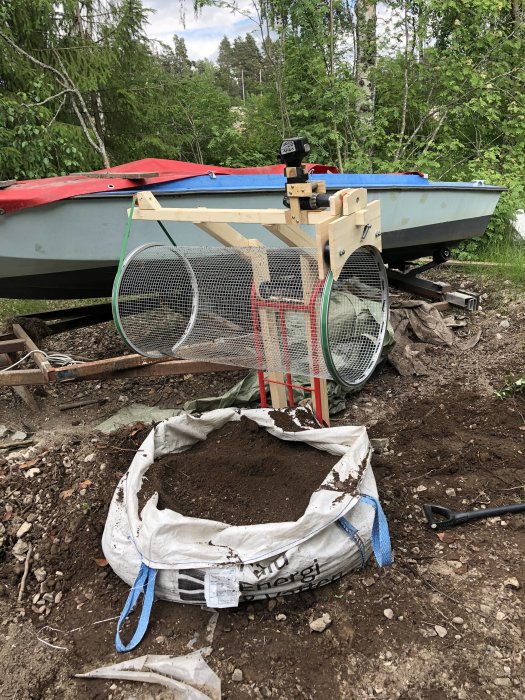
[366, 56]
[404, 107]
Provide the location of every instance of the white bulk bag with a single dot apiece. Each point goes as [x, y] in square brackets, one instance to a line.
[165, 554]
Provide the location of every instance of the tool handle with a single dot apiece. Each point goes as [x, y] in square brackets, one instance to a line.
[492, 512]
[448, 518]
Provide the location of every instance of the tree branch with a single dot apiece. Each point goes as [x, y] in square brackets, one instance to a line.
[58, 111]
[48, 99]
[34, 60]
[100, 147]
[69, 87]
[85, 129]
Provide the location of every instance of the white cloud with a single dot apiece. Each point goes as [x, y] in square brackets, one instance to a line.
[203, 32]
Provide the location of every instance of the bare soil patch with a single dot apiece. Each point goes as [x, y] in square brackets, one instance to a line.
[456, 629]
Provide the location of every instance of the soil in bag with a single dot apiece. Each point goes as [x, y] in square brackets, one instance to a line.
[240, 475]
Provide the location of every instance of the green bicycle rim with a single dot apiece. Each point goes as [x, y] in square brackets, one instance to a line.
[325, 340]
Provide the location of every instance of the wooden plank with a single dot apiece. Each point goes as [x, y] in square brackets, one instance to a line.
[314, 218]
[14, 345]
[105, 369]
[22, 391]
[16, 444]
[202, 215]
[291, 234]
[354, 200]
[117, 366]
[468, 263]
[42, 364]
[125, 176]
[81, 403]
[308, 283]
[300, 189]
[21, 377]
[321, 239]
[225, 234]
[171, 368]
[346, 235]
[373, 218]
[269, 332]
[343, 239]
[336, 200]
[325, 406]
[106, 366]
[147, 200]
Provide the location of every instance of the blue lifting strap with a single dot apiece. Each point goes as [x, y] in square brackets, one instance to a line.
[353, 533]
[380, 534]
[144, 583]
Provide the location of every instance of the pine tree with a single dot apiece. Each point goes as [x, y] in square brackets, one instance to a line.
[225, 68]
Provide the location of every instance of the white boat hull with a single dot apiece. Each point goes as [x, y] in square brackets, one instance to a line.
[70, 249]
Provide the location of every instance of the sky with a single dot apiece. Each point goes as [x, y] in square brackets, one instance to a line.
[203, 33]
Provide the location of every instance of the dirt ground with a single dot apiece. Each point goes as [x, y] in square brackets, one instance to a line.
[445, 620]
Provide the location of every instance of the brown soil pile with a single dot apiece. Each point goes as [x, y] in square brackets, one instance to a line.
[240, 475]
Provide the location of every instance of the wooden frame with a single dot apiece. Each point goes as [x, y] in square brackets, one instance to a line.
[347, 224]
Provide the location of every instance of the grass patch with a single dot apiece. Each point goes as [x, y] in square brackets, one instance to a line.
[10, 308]
[509, 259]
[505, 263]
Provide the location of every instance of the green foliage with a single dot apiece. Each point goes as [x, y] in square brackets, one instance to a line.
[32, 144]
[515, 385]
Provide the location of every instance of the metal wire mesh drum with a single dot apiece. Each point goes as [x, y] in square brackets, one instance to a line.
[254, 307]
[354, 317]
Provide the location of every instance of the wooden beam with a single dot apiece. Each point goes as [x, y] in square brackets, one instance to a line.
[42, 364]
[21, 377]
[225, 234]
[106, 366]
[354, 200]
[22, 391]
[147, 200]
[336, 200]
[171, 368]
[125, 176]
[313, 218]
[14, 345]
[202, 215]
[291, 234]
[112, 368]
[269, 331]
[351, 231]
[118, 365]
[308, 283]
[321, 240]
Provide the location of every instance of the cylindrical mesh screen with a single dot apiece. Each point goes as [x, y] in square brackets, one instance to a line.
[355, 317]
[250, 307]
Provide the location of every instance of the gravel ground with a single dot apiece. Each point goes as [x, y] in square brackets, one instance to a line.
[444, 621]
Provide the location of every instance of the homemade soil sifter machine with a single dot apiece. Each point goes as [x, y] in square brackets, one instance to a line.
[312, 310]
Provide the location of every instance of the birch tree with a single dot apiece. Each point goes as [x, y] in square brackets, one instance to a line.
[366, 58]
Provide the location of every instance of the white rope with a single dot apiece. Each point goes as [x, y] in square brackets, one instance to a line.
[54, 358]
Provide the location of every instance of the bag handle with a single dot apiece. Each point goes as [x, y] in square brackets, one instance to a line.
[144, 583]
[380, 534]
